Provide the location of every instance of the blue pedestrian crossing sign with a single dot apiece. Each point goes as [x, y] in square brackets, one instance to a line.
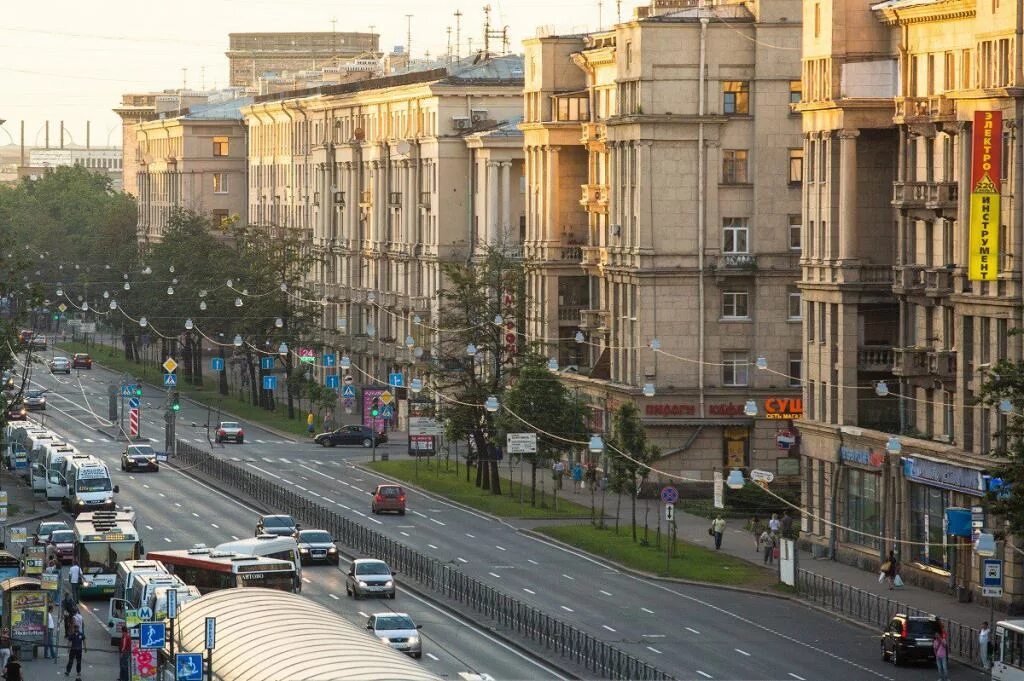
[266, 362]
[152, 635]
[332, 381]
[217, 364]
[396, 380]
[188, 667]
[126, 391]
[329, 360]
[348, 392]
[170, 380]
[388, 411]
[269, 382]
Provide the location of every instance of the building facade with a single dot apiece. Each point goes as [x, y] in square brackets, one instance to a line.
[663, 202]
[251, 55]
[903, 311]
[105, 160]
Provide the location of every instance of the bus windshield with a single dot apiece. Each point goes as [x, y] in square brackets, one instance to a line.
[93, 485]
[106, 555]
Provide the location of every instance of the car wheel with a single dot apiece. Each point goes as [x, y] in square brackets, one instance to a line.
[367, 442]
[332, 443]
[417, 655]
[241, 440]
[391, 596]
[885, 655]
[401, 511]
[896, 657]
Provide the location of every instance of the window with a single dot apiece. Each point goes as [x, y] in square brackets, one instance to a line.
[795, 303]
[736, 97]
[965, 69]
[949, 72]
[794, 233]
[734, 166]
[817, 19]
[220, 146]
[795, 91]
[735, 368]
[220, 183]
[863, 507]
[220, 218]
[927, 510]
[735, 236]
[734, 305]
[796, 166]
[796, 369]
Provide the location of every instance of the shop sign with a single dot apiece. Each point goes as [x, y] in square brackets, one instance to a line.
[863, 457]
[944, 475]
[784, 408]
[986, 164]
[691, 410]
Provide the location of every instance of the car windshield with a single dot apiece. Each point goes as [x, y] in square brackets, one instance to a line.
[46, 528]
[60, 360]
[93, 485]
[229, 425]
[390, 622]
[141, 450]
[81, 356]
[372, 569]
[278, 521]
[921, 628]
[314, 536]
[62, 536]
[34, 393]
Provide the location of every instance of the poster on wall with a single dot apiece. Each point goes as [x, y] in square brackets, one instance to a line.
[986, 169]
[28, 615]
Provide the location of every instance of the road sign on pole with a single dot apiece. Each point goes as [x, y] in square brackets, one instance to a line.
[349, 391]
[670, 512]
[332, 381]
[386, 397]
[719, 490]
[211, 633]
[329, 360]
[521, 443]
[152, 635]
[133, 422]
[269, 382]
[396, 380]
[188, 667]
[669, 494]
[217, 364]
[170, 365]
[170, 380]
[992, 578]
[266, 362]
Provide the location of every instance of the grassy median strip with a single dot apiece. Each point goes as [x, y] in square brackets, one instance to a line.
[688, 561]
[442, 479]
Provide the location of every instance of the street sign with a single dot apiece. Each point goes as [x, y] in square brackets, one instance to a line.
[669, 494]
[977, 517]
[521, 443]
[761, 476]
[170, 365]
[126, 391]
[145, 613]
[424, 425]
[388, 411]
[63, 308]
[332, 381]
[3, 504]
[307, 355]
[133, 403]
[670, 512]
[269, 382]
[396, 380]
[349, 380]
[133, 422]
[170, 380]
[349, 405]
[330, 360]
[211, 633]
[349, 391]
[172, 603]
[188, 667]
[152, 635]
[785, 439]
[19, 535]
[719, 490]
[266, 362]
[217, 364]
[992, 578]
[386, 397]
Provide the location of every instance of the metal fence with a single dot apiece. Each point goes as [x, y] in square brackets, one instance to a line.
[549, 632]
[878, 610]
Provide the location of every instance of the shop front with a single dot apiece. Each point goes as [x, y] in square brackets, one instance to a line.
[862, 496]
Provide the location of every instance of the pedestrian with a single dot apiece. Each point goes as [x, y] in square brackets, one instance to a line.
[309, 423]
[76, 646]
[717, 528]
[75, 580]
[69, 607]
[768, 546]
[577, 477]
[787, 525]
[559, 472]
[328, 424]
[12, 670]
[125, 655]
[984, 637]
[5, 646]
[940, 645]
[50, 651]
[78, 621]
[755, 532]
[774, 525]
[891, 568]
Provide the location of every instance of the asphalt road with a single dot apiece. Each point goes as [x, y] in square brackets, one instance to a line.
[692, 632]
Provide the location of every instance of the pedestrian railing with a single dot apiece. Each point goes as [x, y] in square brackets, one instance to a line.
[878, 610]
[448, 580]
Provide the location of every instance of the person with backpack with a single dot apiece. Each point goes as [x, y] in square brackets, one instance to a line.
[12, 670]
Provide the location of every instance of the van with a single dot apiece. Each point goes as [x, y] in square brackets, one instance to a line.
[88, 483]
[268, 546]
[142, 588]
[129, 572]
[49, 462]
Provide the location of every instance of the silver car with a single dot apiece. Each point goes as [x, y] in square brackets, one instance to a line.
[369, 577]
[397, 630]
[61, 365]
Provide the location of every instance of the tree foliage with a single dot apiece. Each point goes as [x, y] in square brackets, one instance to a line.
[1003, 387]
[630, 454]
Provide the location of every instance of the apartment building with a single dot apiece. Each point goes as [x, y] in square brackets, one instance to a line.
[911, 276]
[251, 55]
[388, 179]
[663, 171]
[196, 161]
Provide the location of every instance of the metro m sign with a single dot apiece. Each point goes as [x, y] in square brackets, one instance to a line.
[986, 171]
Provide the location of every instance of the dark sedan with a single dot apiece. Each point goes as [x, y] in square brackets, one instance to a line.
[316, 546]
[139, 457]
[362, 436]
[281, 525]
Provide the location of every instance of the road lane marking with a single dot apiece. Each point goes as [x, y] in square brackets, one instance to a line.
[433, 520]
[647, 611]
[167, 540]
[606, 593]
[797, 677]
[234, 537]
[215, 525]
[568, 577]
[567, 608]
[195, 514]
[495, 575]
[306, 581]
[162, 494]
[470, 536]
[430, 545]
[432, 656]
[531, 560]
[376, 521]
[500, 548]
[283, 460]
[149, 527]
[705, 674]
[691, 629]
[608, 628]
[177, 504]
[742, 652]
[530, 591]
[88, 439]
[462, 560]
[404, 534]
[653, 649]
[334, 597]
[363, 614]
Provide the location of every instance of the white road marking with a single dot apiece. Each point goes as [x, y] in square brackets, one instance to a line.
[195, 514]
[306, 581]
[530, 591]
[500, 548]
[568, 577]
[435, 520]
[605, 592]
[567, 608]
[432, 656]
[334, 597]
[162, 494]
[495, 575]
[647, 611]
[297, 486]
[797, 677]
[261, 442]
[215, 525]
[149, 527]
[267, 460]
[283, 460]
[531, 560]
[406, 534]
[650, 648]
[177, 504]
[363, 614]
[608, 628]
[376, 521]
[691, 629]
[167, 540]
[462, 560]
[470, 536]
[430, 545]
[705, 674]
[422, 515]
[88, 439]
[234, 537]
[742, 652]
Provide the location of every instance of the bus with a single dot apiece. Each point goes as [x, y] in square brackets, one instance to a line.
[1008, 658]
[211, 570]
[268, 546]
[102, 540]
[88, 485]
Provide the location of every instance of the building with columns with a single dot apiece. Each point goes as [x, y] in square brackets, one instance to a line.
[663, 170]
[905, 306]
[389, 179]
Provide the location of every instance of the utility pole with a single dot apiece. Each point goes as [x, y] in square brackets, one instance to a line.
[600, 15]
[448, 54]
[458, 35]
[408, 37]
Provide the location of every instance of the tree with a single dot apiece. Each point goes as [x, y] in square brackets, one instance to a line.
[630, 454]
[1003, 389]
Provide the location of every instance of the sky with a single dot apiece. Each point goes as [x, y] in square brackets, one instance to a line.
[71, 60]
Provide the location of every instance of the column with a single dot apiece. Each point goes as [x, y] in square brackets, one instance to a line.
[528, 196]
[614, 187]
[505, 222]
[491, 188]
[551, 200]
[848, 194]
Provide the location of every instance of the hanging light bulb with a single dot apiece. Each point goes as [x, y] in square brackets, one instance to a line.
[498, 320]
[491, 404]
[735, 479]
[202, 305]
[279, 323]
[552, 364]
[230, 282]
[189, 324]
[416, 385]
[882, 389]
[170, 290]
[345, 363]
[893, 446]
[60, 292]
[127, 286]
[245, 291]
[762, 363]
[648, 390]
[750, 408]
[171, 269]
[113, 304]
[124, 276]
[284, 288]
[470, 349]
[238, 340]
[596, 445]
[579, 337]
[85, 306]
[371, 296]
[655, 344]
[106, 294]
[238, 302]
[282, 349]
[202, 293]
[106, 267]
[174, 281]
[147, 270]
[410, 342]
[143, 322]
[371, 330]
[417, 353]
[1005, 405]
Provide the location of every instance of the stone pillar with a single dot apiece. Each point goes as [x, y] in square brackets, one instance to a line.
[614, 187]
[505, 221]
[551, 230]
[491, 186]
[848, 194]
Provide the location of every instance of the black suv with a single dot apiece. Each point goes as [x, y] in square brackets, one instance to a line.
[909, 639]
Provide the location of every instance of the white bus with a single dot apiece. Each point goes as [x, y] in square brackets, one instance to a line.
[88, 484]
[268, 546]
[1008, 658]
[209, 570]
[102, 540]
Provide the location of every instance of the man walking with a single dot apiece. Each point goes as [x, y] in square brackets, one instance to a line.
[50, 651]
[717, 528]
[76, 646]
[768, 546]
[787, 526]
[774, 525]
[75, 579]
[577, 477]
[125, 655]
[983, 645]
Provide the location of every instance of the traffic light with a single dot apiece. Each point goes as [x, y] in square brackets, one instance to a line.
[175, 401]
[138, 390]
[375, 408]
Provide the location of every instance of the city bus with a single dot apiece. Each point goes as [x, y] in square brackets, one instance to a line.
[102, 540]
[1008, 656]
[268, 546]
[211, 570]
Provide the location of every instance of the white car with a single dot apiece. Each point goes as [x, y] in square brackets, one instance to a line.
[369, 577]
[230, 430]
[396, 629]
[60, 365]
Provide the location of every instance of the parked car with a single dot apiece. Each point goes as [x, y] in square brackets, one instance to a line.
[46, 527]
[909, 639]
[35, 400]
[350, 435]
[397, 630]
[316, 546]
[369, 577]
[139, 457]
[230, 430]
[63, 543]
[60, 365]
[81, 360]
[281, 525]
[388, 497]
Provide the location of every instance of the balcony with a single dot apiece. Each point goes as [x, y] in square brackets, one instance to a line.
[910, 362]
[937, 196]
[739, 261]
[570, 314]
[942, 196]
[366, 200]
[594, 136]
[935, 109]
[594, 255]
[420, 304]
[910, 280]
[570, 253]
[908, 195]
[942, 364]
[425, 200]
[875, 358]
[938, 282]
[594, 197]
[594, 320]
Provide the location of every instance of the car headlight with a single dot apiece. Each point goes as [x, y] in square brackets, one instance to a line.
[362, 583]
[79, 502]
[303, 550]
[384, 639]
[413, 640]
[389, 583]
[332, 550]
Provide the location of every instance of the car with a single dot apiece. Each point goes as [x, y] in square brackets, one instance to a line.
[45, 528]
[81, 360]
[35, 400]
[350, 435]
[388, 497]
[60, 365]
[396, 629]
[25, 335]
[10, 381]
[281, 525]
[139, 457]
[37, 342]
[230, 430]
[316, 546]
[909, 639]
[63, 543]
[17, 411]
[369, 577]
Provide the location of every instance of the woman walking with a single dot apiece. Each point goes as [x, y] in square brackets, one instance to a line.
[768, 545]
[891, 569]
[940, 645]
[755, 531]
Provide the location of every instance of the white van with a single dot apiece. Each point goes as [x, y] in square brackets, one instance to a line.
[135, 581]
[49, 462]
[268, 546]
[88, 483]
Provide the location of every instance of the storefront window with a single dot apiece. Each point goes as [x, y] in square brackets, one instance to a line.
[927, 509]
[863, 507]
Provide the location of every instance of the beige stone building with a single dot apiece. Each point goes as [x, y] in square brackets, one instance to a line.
[389, 179]
[663, 203]
[251, 55]
[196, 161]
[898, 333]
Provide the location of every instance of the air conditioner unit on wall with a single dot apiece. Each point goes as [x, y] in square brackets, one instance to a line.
[462, 122]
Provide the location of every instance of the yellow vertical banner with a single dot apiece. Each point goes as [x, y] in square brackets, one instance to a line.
[986, 174]
[984, 244]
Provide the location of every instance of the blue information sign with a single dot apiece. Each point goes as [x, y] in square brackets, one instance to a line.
[269, 382]
[126, 391]
[170, 380]
[332, 381]
[152, 635]
[388, 411]
[266, 362]
[133, 403]
[348, 392]
[217, 364]
[188, 667]
[396, 380]
[329, 360]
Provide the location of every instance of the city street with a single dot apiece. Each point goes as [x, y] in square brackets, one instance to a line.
[692, 632]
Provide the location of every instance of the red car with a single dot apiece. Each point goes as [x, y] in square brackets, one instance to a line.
[81, 360]
[388, 497]
[63, 543]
